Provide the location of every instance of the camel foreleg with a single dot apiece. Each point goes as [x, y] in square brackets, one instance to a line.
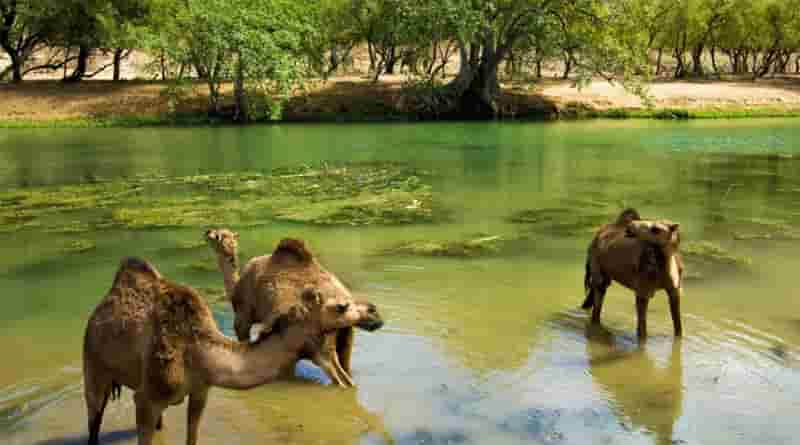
[675, 309]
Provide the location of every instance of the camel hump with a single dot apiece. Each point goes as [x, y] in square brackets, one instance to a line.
[628, 215]
[140, 266]
[294, 248]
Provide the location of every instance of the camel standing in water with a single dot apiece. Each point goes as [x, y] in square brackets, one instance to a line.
[641, 255]
[265, 290]
[160, 339]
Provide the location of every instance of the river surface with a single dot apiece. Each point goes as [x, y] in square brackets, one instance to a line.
[486, 350]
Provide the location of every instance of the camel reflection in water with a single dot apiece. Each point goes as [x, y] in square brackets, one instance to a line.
[648, 394]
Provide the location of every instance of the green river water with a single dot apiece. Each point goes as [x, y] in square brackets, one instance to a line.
[490, 349]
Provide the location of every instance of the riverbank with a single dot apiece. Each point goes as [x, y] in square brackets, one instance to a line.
[100, 103]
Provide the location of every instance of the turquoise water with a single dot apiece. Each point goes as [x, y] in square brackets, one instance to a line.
[480, 350]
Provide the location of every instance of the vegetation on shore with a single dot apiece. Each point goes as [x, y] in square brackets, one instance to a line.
[455, 52]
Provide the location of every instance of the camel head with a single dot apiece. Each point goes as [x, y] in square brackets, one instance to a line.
[330, 313]
[664, 233]
[297, 270]
[224, 242]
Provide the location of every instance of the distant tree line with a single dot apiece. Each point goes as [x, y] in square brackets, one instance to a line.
[267, 47]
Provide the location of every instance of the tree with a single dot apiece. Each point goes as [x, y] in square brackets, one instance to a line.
[488, 31]
[257, 43]
[25, 26]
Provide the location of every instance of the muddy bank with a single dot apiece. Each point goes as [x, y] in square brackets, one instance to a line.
[45, 103]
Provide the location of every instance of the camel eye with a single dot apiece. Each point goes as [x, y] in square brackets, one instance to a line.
[342, 308]
[655, 230]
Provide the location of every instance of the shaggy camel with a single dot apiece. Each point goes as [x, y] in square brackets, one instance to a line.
[159, 339]
[265, 290]
[643, 257]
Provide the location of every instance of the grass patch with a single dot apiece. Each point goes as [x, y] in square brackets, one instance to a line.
[708, 253]
[78, 247]
[362, 193]
[682, 113]
[476, 245]
[571, 219]
[122, 121]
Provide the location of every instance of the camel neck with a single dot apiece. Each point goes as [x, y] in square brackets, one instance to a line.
[233, 365]
[229, 266]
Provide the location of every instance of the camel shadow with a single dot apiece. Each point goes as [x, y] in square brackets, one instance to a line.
[649, 395]
[108, 438]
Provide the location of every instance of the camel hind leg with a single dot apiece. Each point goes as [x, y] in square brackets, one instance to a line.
[97, 391]
[642, 301]
[598, 296]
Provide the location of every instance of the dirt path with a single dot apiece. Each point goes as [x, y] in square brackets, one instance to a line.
[42, 100]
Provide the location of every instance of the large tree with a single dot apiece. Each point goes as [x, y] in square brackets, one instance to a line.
[259, 44]
[486, 32]
[25, 27]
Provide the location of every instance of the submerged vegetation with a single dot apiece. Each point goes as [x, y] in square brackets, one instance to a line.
[707, 253]
[476, 245]
[571, 219]
[349, 194]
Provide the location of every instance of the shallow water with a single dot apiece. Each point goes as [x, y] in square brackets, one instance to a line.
[479, 350]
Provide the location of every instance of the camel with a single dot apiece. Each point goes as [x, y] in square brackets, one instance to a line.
[160, 339]
[642, 255]
[265, 288]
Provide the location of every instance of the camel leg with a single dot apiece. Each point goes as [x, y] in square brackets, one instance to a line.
[326, 364]
[344, 347]
[675, 309]
[160, 423]
[642, 301]
[344, 375]
[147, 415]
[95, 406]
[197, 403]
[97, 391]
[599, 295]
[241, 326]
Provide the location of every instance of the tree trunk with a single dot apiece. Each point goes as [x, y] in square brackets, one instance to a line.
[117, 62]
[241, 114]
[391, 60]
[797, 64]
[538, 68]
[658, 61]
[567, 65]
[16, 69]
[83, 62]
[371, 51]
[714, 60]
[697, 60]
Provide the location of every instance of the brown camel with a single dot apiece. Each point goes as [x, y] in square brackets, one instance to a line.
[643, 257]
[266, 289]
[159, 339]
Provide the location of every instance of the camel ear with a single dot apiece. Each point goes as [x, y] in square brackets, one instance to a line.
[311, 297]
[674, 227]
[293, 248]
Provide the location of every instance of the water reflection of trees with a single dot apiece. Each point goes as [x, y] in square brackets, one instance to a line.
[650, 396]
